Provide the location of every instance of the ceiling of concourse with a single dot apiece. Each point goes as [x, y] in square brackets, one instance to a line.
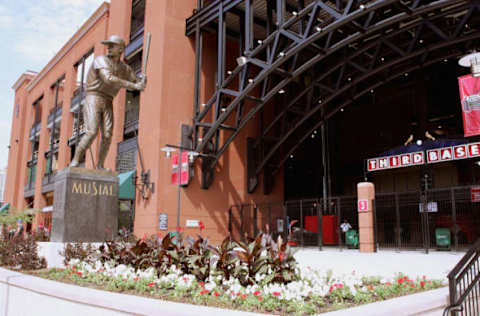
[324, 57]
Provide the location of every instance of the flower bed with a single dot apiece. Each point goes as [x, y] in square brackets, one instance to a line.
[314, 292]
[260, 276]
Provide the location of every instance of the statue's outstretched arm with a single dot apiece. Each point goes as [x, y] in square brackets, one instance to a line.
[107, 76]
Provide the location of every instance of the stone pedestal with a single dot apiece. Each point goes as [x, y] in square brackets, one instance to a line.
[366, 224]
[86, 205]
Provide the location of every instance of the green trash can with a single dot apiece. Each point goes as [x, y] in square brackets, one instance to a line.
[174, 236]
[442, 237]
[351, 238]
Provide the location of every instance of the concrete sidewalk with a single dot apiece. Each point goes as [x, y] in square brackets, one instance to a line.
[384, 263]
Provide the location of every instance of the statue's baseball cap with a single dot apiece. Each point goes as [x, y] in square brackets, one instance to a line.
[114, 39]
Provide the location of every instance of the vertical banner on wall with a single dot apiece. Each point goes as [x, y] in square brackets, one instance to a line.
[174, 174]
[470, 99]
[184, 171]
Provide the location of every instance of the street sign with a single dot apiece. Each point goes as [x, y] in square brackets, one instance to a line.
[163, 221]
[475, 194]
[192, 223]
[363, 205]
[432, 207]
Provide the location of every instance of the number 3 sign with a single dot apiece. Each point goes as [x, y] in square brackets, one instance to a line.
[363, 205]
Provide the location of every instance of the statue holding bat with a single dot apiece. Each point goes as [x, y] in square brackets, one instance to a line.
[107, 75]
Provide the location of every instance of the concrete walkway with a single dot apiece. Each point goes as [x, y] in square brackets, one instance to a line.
[384, 263]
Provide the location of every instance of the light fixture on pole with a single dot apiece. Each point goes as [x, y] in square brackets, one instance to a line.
[473, 61]
[242, 60]
[168, 150]
[192, 155]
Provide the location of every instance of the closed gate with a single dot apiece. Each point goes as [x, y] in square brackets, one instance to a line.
[407, 220]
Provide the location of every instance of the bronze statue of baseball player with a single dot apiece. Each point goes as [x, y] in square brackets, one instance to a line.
[107, 75]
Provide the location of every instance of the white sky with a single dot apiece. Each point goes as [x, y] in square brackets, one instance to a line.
[32, 33]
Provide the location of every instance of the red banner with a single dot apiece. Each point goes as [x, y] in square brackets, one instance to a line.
[184, 172]
[470, 99]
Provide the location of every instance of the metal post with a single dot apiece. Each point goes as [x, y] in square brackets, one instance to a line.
[339, 215]
[398, 232]
[248, 27]
[319, 224]
[454, 218]
[255, 226]
[198, 67]
[301, 223]
[324, 162]
[230, 220]
[179, 174]
[328, 161]
[280, 12]
[242, 226]
[426, 232]
[375, 226]
[270, 224]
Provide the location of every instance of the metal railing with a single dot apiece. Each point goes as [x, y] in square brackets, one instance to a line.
[35, 130]
[131, 120]
[77, 98]
[54, 113]
[127, 155]
[464, 284]
[136, 41]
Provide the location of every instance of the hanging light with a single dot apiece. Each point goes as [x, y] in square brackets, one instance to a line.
[168, 151]
[192, 155]
[242, 60]
[472, 61]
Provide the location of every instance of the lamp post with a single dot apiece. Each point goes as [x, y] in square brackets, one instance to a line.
[168, 150]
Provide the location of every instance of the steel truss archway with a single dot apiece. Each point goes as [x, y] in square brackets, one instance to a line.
[309, 59]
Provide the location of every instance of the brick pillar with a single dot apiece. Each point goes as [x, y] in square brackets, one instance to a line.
[366, 197]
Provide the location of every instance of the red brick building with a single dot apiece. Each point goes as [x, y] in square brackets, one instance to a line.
[49, 100]
[280, 105]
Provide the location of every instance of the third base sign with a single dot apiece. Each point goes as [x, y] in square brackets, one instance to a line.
[363, 205]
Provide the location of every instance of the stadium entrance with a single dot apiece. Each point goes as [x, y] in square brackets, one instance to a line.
[330, 86]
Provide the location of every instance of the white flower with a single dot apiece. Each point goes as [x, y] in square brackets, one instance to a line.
[210, 286]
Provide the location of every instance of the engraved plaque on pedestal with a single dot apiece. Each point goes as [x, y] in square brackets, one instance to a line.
[85, 208]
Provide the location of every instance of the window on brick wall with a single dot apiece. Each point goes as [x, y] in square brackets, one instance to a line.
[81, 68]
[138, 18]
[38, 110]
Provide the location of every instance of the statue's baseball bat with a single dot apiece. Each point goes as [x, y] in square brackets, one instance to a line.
[147, 50]
[144, 71]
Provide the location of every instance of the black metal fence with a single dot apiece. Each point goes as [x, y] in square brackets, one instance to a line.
[464, 285]
[408, 220]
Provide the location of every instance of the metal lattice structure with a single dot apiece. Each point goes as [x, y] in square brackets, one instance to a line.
[301, 61]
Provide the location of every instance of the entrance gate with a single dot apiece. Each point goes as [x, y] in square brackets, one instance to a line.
[401, 222]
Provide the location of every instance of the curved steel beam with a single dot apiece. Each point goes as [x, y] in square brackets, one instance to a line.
[276, 59]
[348, 102]
[346, 88]
[274, 64]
